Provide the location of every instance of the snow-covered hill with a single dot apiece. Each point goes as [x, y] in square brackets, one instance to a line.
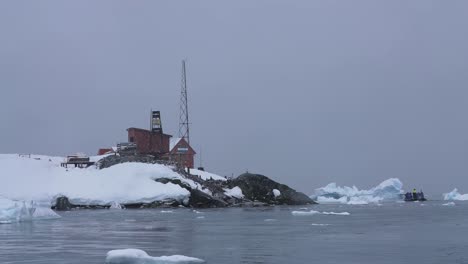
[41, 179]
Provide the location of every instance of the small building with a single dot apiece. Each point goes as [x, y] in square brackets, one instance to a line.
[181, 152]
[103, 151]
[148, 142]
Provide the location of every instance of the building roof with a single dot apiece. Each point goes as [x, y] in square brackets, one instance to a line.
[173, 142]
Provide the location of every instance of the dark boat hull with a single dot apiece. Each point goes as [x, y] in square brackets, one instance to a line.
[414, 200]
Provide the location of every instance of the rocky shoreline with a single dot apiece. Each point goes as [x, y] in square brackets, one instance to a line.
[257, 190]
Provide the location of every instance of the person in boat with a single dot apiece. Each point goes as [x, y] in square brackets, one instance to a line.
[415, 194]
[421, 196]
[408, 196]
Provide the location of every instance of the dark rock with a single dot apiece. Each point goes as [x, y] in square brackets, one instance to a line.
[62, 204]
[200, 199]
[256, 187]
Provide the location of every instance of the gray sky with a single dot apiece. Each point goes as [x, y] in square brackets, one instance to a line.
[305, 92]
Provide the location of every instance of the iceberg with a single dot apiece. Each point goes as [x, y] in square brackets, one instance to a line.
[455, 196]
[388, 190]
[137, 256]
[23, 211]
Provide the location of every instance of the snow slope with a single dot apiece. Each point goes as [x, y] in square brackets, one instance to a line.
[387, 190]
[41, 179]
[455, 196]
[206, 175]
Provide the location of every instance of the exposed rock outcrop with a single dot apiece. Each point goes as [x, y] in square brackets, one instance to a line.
[256, 187]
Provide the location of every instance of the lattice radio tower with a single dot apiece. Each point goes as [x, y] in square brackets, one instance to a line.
[184, 131]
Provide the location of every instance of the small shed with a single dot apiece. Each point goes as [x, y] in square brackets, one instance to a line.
[181, 152]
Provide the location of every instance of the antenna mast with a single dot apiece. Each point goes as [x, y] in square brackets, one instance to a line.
[184, 131]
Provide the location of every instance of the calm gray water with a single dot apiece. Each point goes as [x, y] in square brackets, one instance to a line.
[392, 233]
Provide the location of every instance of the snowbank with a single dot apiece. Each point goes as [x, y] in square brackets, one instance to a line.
[234, 192]
[137, 256]
[42, 180]
[455, 196]
[312, 212]
[387, 190]
[20, 211]
[206, 175]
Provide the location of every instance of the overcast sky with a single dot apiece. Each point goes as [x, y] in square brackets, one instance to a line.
[305, 92]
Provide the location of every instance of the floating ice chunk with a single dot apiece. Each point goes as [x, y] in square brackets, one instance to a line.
[449, 204]
[197, 212]
[455, 196]
[137, 256]
[333, 213]
[276, 192]
[21, 211]
[313, 212]
[313, 224]
[234, 192]
[200, 217]
[390, 189]
[167, 211]
[270, 220]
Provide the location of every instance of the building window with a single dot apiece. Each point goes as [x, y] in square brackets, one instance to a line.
[131, 139]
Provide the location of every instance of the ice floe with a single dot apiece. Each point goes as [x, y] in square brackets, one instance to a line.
[455, 196]
[449, 204]
[22, 211]
[390, 189]
[313, 212]
[137, 256]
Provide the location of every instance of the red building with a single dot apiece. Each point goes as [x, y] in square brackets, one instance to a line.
[103, 151]
[156, 143]
[149, 142]
[181, 152]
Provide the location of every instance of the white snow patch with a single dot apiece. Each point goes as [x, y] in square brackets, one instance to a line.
[42, 179]
[390, 189]
[234, 192]
[115, 205]
[137, 256]
[449, 204]
[455, 196]
[206, 175]
[276, 192]
[313, 212]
